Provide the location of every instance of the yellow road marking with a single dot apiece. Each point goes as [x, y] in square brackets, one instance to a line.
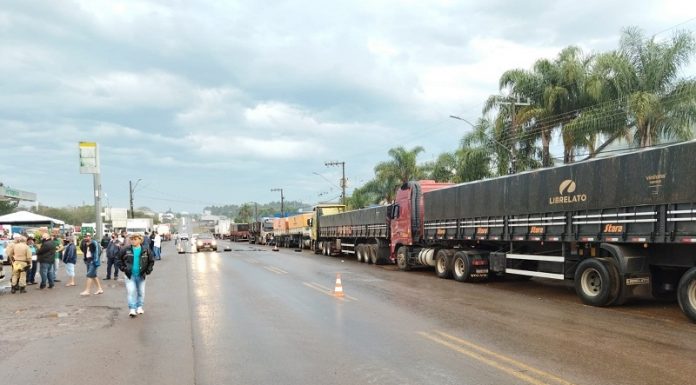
[515, 372]
[278, 269]
[327, 291]
[275, 270]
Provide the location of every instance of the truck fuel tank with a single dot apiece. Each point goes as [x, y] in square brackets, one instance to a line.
[426, 257]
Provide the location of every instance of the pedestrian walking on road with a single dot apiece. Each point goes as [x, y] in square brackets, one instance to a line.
[112, 250]
[45, 256]
[20, 258]
[157, 246]
[90, 249]
[137, 262]
[31, 274]
[70, 259]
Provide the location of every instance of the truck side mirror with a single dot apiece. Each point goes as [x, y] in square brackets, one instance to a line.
[309, 222]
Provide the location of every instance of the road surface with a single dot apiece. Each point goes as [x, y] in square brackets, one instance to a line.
[254, 316]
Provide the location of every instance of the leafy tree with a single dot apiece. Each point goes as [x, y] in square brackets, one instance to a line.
[475, 153]
[402, 166]
[444, 168]
[8, 207]
[245, 215]
[638, 92]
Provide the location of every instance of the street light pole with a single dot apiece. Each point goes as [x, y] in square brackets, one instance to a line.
[282, 198]
[513, 158]
[343, 178]
[131, 188]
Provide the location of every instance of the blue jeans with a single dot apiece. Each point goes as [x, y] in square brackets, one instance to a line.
[158, 252]
[48, 273]
[136, 291]
[112, 261]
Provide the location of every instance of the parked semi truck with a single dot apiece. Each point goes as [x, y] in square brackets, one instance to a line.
[293, 231]
[261, 232]
[618, 227]
[239, 232]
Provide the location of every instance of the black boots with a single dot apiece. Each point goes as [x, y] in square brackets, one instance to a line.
[21, 289]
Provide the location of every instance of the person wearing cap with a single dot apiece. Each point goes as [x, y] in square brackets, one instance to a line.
[136, 262]
[20, 258]
[45, 255]
[90, 249]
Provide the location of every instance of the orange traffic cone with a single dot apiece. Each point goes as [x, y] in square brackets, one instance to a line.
[338, 291]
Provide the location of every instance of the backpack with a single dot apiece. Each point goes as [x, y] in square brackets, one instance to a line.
[97, 258]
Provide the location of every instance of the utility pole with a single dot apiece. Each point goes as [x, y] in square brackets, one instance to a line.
[343, 178]
[282, 198]
[131, 189]
[513, 101]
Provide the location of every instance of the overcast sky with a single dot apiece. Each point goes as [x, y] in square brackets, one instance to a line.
[215, 102]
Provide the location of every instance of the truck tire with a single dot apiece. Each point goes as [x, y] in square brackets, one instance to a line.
[402, 258]
[443, 264]
[461, 267]
[686, 294]
[372, 253]
[359, 253]
[596, 282]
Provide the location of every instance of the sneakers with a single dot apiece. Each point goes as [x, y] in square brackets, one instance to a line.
[132, 313]
[107, 278]
[140, 310]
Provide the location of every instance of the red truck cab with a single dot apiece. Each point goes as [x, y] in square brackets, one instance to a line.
[406, 213]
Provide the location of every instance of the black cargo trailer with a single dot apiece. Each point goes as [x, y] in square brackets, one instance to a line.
[364, 233]
[619, 226]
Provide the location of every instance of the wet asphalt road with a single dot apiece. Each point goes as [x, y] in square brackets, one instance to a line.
[263, 317]
[253, 316]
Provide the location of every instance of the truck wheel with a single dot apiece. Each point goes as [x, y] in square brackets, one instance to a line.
[372, 253]
[359, 253]
[443, 264]
[686, 294]
[461, 267]
[596, 282]
[402, 258]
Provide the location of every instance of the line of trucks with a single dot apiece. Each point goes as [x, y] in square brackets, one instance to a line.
[619, 227]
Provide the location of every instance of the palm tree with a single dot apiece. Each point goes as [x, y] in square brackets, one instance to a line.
[402, 167]
[444, 168]
[640, 96]
[556, 92]
[476, 152]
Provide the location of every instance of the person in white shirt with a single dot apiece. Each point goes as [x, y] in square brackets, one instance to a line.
[158, 246]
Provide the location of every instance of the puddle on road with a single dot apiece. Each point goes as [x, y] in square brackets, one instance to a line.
[41, 322]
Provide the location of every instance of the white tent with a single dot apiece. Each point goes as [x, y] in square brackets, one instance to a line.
[26, 218]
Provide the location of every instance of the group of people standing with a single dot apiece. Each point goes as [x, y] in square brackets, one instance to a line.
[133, 254]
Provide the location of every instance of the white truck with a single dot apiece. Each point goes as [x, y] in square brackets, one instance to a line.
[139, 225]
[222, 228]
[164, 230]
